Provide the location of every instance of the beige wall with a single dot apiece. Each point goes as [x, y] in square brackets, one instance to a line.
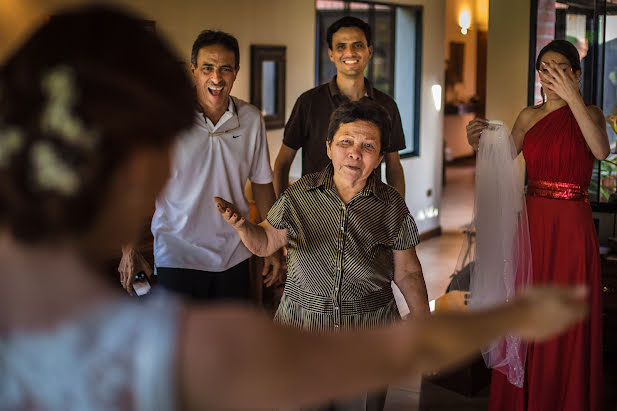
[263, 22]
[276, 22]
[507, 62]
[455, 135]
[508, 56]
[479, 21]
[481, 14]
[454, 125]
[279, 22]
[453, 34]
[18, 17]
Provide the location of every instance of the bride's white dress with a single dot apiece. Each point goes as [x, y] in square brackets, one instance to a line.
[117, 356]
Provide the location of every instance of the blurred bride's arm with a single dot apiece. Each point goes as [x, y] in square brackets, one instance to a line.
[235, 358]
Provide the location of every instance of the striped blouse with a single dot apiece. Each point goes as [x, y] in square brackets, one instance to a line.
[339, 259]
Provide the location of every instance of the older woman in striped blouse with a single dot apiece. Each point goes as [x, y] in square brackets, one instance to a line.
[348, 237]
[348, 234]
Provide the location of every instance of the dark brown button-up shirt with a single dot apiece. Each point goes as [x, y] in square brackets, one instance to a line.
[307, 127]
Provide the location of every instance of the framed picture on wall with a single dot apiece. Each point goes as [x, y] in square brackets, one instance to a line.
[268, 83]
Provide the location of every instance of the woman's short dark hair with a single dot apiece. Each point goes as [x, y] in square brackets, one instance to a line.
[566, 49]
[364, 109]
[210, 37]
[87, 89]
[348, 21]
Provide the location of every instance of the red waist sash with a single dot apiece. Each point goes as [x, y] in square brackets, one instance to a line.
[557, 191]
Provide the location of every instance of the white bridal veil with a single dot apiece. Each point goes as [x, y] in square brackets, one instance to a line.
[502, 250]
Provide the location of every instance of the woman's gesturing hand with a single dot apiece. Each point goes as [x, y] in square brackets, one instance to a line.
[230, 213]
[474, 129]
[561, 81]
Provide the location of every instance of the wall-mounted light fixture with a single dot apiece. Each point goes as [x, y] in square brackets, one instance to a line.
[425, 214]
[436, 90]
[464, 20]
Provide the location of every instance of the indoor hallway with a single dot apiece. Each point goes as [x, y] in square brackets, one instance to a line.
[439, 257]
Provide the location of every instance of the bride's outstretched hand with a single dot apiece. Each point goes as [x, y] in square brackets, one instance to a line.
[550, 310]
[474, 129]
[561, 81]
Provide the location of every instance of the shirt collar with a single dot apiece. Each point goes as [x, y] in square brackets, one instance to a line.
[228, 114]
[335, 92]
[231, 107]
[325, 179]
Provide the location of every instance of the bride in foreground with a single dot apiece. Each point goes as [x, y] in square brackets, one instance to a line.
[89, 107]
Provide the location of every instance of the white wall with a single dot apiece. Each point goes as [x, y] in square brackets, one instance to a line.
[423, 173]
[278, 22]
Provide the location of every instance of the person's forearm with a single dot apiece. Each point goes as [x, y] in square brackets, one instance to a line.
[473, 140]
[255, 239]
[450, 338]
[282, 165]
[263, 195]
[130, 250]
[282, 366]
[280, 177]
[595, 137]
[414, 291]
[395, 176]
[295, 369]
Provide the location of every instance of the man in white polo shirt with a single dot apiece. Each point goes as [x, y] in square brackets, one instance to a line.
[195, 252]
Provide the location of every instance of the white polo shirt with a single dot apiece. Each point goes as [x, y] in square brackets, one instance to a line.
[210, 160]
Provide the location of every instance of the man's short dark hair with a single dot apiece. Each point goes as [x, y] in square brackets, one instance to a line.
[348, 21]
[364, 109]
[210, 37]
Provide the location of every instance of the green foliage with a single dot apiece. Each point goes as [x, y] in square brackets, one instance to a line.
[608, 177]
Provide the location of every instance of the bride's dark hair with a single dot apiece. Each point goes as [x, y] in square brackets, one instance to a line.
[84, 91]
[566, 49]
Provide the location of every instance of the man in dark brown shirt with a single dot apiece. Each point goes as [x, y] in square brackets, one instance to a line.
[350, 49]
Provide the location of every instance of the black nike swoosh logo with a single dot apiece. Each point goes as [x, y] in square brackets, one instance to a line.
[235, 136]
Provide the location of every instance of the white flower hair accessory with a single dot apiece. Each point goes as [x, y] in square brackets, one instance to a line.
[11, 140]
[50, 172]
[58, 116]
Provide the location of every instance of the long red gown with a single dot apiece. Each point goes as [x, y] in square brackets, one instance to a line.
[565, 373]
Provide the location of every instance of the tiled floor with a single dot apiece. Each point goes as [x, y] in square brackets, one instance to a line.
[439, 257]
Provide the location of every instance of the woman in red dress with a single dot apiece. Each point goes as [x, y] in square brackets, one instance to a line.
[560, 139]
